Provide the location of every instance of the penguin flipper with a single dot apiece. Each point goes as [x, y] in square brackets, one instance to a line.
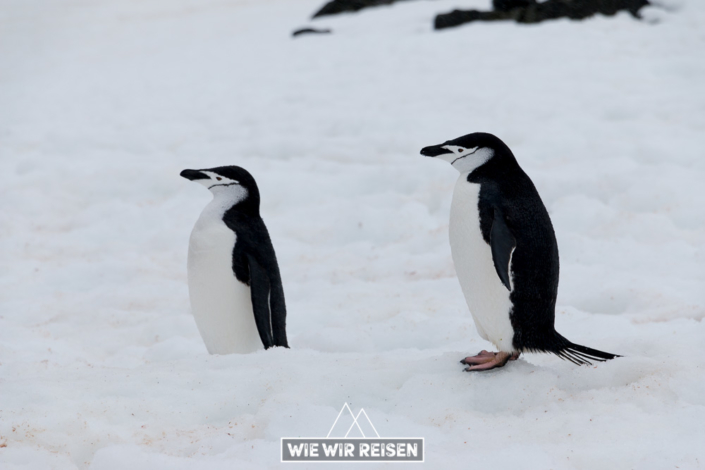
[278, 308]
[260, 292]
[502, 243]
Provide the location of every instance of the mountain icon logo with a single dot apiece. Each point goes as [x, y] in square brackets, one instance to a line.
[355, 426]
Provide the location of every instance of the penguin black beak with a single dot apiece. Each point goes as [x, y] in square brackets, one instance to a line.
[194, 175]
[434, 151]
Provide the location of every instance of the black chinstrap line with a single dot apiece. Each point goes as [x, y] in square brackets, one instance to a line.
[229, 184]
[464, 156]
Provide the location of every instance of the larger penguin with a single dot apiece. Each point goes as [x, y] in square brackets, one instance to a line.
[234, 283]
[505, 254]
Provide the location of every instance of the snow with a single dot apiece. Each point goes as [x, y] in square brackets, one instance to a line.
[102, 104]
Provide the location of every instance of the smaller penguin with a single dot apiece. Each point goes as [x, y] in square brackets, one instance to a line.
[505, 254]
[234, 283]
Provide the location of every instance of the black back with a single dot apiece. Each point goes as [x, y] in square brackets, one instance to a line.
[254, 261]
[507, 192]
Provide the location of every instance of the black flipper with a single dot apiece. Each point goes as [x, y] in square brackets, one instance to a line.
[278, 308]
[502, 243]
[255, 264]
[260, 292]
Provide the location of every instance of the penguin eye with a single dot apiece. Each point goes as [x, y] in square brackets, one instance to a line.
[460, 149]
[218, 178]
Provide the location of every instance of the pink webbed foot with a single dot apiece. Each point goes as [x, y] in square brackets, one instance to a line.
[486, 360]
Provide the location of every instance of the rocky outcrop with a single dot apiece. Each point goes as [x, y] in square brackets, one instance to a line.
[530, 11]
[301, 31]
[341, 6]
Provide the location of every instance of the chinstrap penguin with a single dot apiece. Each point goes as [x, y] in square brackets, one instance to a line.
[234, 283]
[505, 254]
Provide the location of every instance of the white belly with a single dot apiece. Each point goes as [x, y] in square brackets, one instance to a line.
[486, 296]
[221, 305]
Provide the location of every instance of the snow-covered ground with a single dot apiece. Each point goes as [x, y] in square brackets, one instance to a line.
[102, 104]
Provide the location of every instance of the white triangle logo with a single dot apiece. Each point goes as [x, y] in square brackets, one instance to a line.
[355, 426]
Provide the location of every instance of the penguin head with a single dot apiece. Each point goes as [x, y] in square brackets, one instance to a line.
[468, 152]
[232, 182]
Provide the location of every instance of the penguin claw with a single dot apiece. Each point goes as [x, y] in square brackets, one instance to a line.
[481, 367]
[486, 360]
[482, 357]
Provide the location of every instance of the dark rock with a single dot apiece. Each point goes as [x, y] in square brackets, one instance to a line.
[507, 5]
[341, 6]
[528, 11]
[298, 32]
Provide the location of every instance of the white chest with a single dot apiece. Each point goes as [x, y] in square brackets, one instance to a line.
[486, 296]
[221, 305]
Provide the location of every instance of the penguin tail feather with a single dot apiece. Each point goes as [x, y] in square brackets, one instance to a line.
[580, 355]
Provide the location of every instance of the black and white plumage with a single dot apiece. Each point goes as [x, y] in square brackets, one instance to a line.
[505, 253]
[235, 286]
